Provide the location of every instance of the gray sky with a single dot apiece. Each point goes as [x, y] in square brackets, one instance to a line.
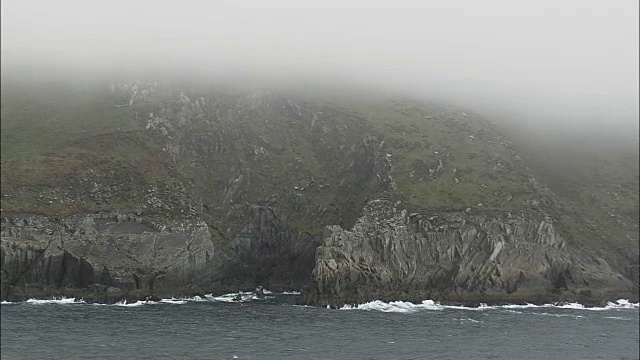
[573, 60]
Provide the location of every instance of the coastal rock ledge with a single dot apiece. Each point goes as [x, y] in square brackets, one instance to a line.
[456, 257]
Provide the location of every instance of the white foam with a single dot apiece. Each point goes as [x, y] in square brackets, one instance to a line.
[618, 304]
[232, 296]
[480, 307]
[125, 303]
[625, 304]
[173, 301]
[525, 306]
[408, 307]
[470, 319]
[617, 318]
[133, 304]
[395, 306]
[244, 296]
[62, 300]
[514, 311]
[557, 315]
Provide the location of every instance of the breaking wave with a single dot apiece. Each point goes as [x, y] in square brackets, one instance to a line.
[395, 306]
[377, 305]
[62, 301]
[229, 298]
[241, 296]
[618, 318]
[408, 307]
[124, 303]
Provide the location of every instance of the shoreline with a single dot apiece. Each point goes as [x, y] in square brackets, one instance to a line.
[468, 301]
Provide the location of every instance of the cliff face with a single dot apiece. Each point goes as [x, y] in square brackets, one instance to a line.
[456, 256]
[106, 256]
[169, 190]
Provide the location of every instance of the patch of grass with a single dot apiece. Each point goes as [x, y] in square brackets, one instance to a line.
[73, 147]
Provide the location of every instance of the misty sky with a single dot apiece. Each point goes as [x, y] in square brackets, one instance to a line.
[544, 59]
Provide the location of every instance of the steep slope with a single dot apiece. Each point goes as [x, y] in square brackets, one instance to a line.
[147, 188]
[597, 177]
[255, 174]
[456, 257]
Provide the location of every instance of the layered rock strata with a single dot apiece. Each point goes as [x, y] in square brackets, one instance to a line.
[456, 257]
[107, 256]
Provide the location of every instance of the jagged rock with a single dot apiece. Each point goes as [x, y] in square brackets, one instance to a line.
[104, 249]
[389, 255]
[228, 191]
[269, 252]
[130, 254]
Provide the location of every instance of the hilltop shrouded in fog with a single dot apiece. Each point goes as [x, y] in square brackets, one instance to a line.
[570, 64]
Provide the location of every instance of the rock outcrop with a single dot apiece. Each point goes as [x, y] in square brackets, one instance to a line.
[175, 189]
[456, 256]
[107, 256]
[102, 251]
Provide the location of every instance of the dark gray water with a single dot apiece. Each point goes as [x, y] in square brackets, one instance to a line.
[274, 328]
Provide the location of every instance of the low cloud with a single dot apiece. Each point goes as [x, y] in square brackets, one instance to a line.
[569, 64]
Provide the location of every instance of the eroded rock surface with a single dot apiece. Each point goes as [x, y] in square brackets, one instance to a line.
[455, 256]
[106, 256]
[174, 189]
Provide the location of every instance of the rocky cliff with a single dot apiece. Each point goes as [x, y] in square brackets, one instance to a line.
[108, 256]
[154, 188]
[457, 257]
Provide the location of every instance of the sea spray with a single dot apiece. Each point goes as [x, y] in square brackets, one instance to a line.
[408, 307]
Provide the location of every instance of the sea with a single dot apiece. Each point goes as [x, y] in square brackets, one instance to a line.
[274, 327]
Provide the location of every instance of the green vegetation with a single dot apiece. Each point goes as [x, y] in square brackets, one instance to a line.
[176, 150]
[598, 183]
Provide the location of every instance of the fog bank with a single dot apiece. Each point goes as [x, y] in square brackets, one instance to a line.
[563, 64]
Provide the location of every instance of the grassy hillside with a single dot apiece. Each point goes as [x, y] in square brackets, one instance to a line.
[597, 178]
[176, 149]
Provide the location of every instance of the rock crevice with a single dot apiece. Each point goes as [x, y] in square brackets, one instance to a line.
[390, 254]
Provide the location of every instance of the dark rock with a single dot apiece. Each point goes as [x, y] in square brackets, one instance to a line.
[491, 256]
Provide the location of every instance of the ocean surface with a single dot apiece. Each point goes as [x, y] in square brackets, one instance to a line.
[275, 328]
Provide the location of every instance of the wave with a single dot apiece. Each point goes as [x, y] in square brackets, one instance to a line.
[377, 305]
[618, 304]
[469, 319]
[241, 296]
[395, 306]
[558, 315]
[60, 301]
[124, 303]
[229, 298]
[408, 307]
